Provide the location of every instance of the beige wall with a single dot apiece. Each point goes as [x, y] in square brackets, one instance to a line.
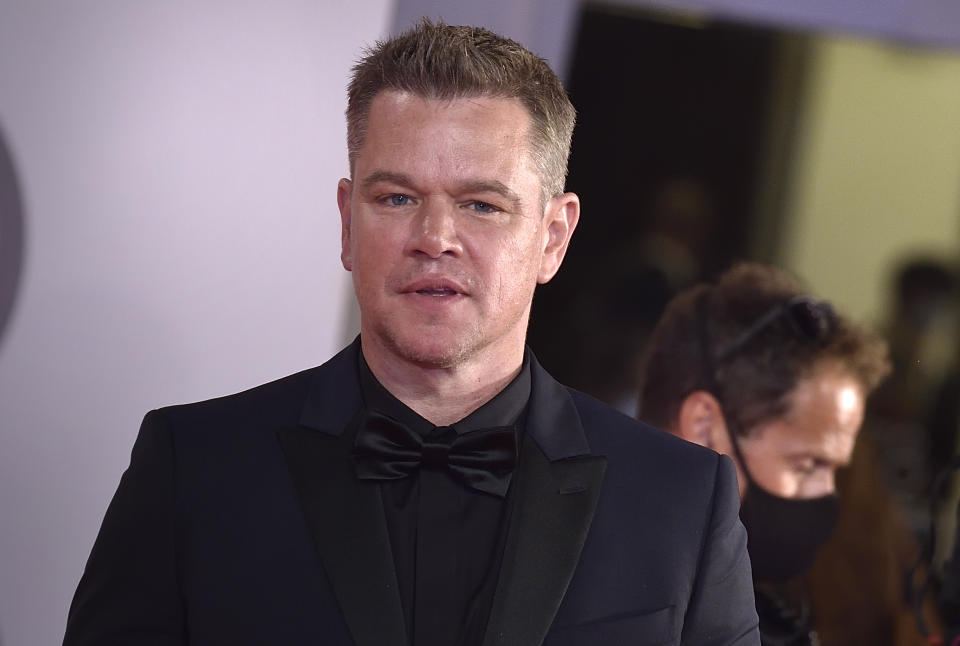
[877, 171]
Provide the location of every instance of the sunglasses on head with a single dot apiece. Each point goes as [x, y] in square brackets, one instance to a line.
[809, 319]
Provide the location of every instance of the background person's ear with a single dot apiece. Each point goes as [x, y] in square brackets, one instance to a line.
[560, 219]
[700, 420]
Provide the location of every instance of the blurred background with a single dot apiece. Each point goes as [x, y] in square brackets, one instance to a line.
[168, 224]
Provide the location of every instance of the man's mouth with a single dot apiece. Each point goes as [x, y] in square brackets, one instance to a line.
[436, 287]
[442, 291]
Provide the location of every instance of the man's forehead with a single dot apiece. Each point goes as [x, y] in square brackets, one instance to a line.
[815, 437]
[402, 117]
[390, 107]
[481, 140]
[393, 110]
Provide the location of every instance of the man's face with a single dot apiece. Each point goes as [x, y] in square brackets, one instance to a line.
[444, 229]
[797, 455]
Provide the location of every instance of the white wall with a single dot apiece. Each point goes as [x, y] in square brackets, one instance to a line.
[178, 164]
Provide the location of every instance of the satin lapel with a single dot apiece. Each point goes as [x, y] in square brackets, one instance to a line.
[345, 516]
[558, 485]
[548, 526]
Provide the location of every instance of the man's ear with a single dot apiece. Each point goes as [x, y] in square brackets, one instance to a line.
[560, 219]
[344, 190]
[701, 421]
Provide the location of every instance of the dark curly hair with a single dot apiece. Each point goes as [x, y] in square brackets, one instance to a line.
[754, 382]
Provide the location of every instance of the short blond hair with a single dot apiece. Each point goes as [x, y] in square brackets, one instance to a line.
[439, 61]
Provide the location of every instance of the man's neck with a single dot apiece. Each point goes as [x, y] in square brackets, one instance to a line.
[442, 395]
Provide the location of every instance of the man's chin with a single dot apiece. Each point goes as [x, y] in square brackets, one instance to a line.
[432, 356]
[431, 349]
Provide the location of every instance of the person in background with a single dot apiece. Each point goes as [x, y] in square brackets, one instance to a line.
[913, 417]
[756, 368]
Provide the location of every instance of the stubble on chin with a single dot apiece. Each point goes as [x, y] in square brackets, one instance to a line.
[432, 349]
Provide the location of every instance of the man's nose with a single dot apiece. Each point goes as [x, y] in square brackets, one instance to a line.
[434, 231]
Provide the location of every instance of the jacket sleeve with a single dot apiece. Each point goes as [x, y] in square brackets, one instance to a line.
[722, 610]
[128, 593]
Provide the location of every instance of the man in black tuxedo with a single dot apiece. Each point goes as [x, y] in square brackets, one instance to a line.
[431, 484]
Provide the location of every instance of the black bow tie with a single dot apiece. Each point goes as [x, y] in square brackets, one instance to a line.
[386, 449]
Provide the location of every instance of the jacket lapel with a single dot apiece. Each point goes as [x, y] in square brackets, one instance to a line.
[344, 514]
[557, 491]
[557, 488]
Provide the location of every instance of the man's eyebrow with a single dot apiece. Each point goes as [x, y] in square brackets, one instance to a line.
[391, 177]
[476, 186]
[820, 457]
[491, 186]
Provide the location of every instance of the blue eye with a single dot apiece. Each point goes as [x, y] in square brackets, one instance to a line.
[483, 207]
[399, 199]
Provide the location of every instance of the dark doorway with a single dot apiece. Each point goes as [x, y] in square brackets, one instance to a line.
[672, 115]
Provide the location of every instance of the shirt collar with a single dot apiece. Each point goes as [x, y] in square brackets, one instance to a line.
[504, 409]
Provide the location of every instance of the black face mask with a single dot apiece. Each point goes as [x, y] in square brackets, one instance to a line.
[784, 534]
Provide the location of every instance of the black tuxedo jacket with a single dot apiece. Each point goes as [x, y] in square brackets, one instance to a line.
[240, 521]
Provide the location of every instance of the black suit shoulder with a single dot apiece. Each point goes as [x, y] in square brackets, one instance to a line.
[276, 402]
[225, 437]
[667, 513]
[619, 436]
[192, 532]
